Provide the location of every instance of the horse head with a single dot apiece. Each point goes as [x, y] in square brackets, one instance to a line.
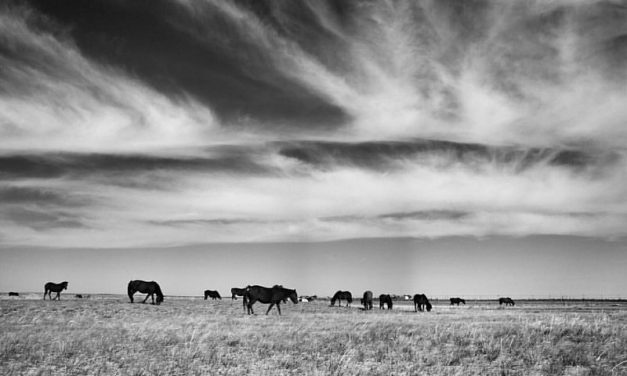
[64, 284]
[293, 296]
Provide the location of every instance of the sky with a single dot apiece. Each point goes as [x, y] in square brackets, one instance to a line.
[270, 139]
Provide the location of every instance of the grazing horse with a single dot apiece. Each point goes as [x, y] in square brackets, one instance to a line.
[13, 293]
[51, 287]
[421, 302]
[78, 296]
[268, 295]
[235, 292]
[385, 299]
[457, 301]
[342, 295]
[151, 288]
[367, 300]
[506, 301]
[213, 294]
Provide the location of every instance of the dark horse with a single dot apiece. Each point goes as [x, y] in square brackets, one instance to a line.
[457, 301]
[367, 300]
[421, 302]
[506, 301]
[342, 295]
[14, 293]
[213, 294]
[235, 292]
[151, 288]
[268, 295]
[51, 287]
[385, 299]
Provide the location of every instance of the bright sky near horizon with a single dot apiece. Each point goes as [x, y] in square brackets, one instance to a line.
[322, 130]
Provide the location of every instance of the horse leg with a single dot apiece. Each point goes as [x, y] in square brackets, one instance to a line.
[146, 298]
[269, 308]
[278, 306]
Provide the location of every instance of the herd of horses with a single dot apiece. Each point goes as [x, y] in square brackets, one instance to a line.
[273, 296]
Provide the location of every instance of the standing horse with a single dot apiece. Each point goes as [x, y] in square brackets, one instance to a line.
[367, 300]
[342, 295]
[14, 293]
[51, 287]
[506, 301]
[385, 299]
[151, 288]
[421, 302]
[213, 294]
[457, 301]
[268, 295]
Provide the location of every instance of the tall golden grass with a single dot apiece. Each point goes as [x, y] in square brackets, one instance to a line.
[197, 337]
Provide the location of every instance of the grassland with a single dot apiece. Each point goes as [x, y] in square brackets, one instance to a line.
[197, 337]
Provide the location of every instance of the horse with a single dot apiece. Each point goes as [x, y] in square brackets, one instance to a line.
[457, 301]
[78, 296]
[421, 302]
[235, 292]
[342, 295]
[367, 300]
[385, 299]
[151, 288]
[506, 301]
[213, 294]
[51, 287]
[268, 295]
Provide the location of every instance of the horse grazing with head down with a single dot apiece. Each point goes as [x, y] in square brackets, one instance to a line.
[385, 299]
[51, 287]
[268, 295]
[457, 301]
[235, 292]
[213, 294]
[421, 302]
[342, 295]
[366, 301]
[151, 288]
[506, 301]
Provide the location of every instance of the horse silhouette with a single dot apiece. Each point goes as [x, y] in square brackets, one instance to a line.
[150, 288]
[11, 293]
[342, 295]
[51, 287]
[421, 302]
[78, 296]
[235, 292]
[213, 294]
[366, 301]
[268, 295]
[457, 301]
[385, 299]
[506, 301]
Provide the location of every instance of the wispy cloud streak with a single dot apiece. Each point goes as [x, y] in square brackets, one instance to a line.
[212, 121]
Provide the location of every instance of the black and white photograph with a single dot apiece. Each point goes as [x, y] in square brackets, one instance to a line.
[313, 187]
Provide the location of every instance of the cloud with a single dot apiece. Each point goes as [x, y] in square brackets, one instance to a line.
[187, 121]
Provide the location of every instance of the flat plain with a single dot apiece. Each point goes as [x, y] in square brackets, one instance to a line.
[106, 335]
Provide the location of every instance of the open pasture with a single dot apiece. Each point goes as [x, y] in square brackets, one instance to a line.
[105, 335]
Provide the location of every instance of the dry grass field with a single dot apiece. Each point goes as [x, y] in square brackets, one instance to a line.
[188, 336]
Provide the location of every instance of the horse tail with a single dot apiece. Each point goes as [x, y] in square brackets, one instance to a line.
[131, 290]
